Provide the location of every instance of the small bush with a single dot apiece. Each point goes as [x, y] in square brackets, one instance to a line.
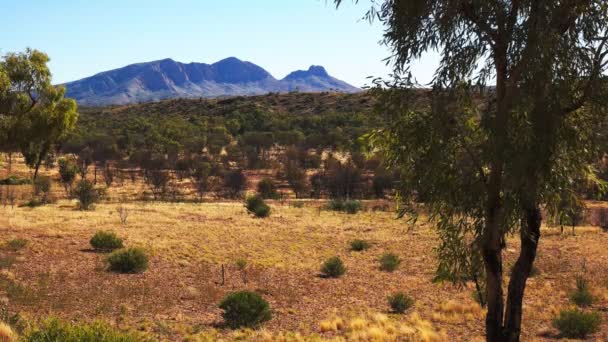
[349, 207]
[241, 264]
[15, 180]
[256, 205]
[53, 330]
[130, 260]
[335, 205]
[245, 309]
[352, 207]
[86, 194]
[359, 245]
[581, 296]
[42, 188]
[16, 244]
[576, 323]
[267, 189]
[333, 267]
[389, 262]
[399, 302]
[106, 241]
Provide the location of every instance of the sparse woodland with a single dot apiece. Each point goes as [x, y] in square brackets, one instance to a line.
[474, 210]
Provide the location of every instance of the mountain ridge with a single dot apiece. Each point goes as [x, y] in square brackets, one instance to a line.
[167, 79]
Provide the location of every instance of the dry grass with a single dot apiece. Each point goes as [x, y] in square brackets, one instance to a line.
[177, 297]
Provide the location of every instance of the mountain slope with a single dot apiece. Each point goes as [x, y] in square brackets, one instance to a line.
[164, 79]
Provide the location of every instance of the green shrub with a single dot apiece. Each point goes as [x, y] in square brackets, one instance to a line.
[333, 267]
[16, 244]
[15, 180]
[359, 245]
[245, 309]
[349, 206]
[106, 241]
[86, 194]
[54, 330]
[576, 323]
[352, 207]
[130, 260]
[267, 189]
[399, 302]
[42, 188]
[241, 264]
[389, 262]
[335, 205]
[256, 205]
[581, 296]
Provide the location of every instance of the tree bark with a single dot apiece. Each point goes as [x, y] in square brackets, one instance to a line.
[529, 236]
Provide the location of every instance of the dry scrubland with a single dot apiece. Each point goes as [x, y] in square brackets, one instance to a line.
[57, 273]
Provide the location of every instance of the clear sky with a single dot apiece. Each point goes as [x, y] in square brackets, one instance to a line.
[86, 37]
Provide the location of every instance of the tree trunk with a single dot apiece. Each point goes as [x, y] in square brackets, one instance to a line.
[529, 236]
[492, 257]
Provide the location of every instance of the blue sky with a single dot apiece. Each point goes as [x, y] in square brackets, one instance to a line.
[85, 37]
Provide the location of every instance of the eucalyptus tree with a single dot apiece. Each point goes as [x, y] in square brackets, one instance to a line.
[34, 115]
[486, 163]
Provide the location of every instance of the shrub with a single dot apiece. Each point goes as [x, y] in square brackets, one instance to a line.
[333, 267]
[42, 188]
[399, 302]
[106, 241]
[581, 296]
[576, 323]
[267, 189]
[256, 205]
[349, 206]
[15, 180]
[130, 260]
[352, 207]
[86, 194]
[335, 205]
[359, 245]
[67, 173]
[53, 330]
[235, 181]
[16, 244]
[245, 309]
[389, 262]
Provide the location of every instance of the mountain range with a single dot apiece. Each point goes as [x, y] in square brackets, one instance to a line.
[166, 79]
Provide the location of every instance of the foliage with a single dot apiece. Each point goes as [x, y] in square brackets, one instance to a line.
[53, 329]
[86, 194]
[16, 244]
[267, 189]
[400, 302]
[15, 180]
[68, 169]
[485, 161]
[577, 324]
[333, 267]
[256, 205]
[245, 309]
[359, 245]
[348, 206]
[106, 241]
[582, 297]
[130, 260]
[42, 188]
[35, 115]
[389, 262]
[235, 181]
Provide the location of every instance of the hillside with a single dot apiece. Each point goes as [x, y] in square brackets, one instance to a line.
[166, 79]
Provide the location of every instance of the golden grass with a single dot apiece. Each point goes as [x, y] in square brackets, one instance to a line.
[176, 299]
[7, 334]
